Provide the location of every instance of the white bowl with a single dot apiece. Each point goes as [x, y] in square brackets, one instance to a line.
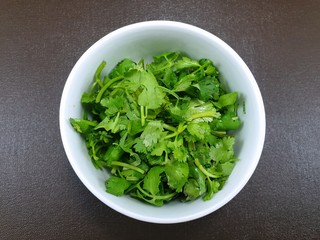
[144, 40]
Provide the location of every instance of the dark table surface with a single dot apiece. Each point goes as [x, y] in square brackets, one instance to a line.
[40, 195]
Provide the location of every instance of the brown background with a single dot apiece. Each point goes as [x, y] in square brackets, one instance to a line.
[40, 195]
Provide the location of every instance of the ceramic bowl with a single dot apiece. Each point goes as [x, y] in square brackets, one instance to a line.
[144, 40]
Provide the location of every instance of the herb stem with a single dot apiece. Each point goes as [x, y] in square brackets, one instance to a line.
[202, 114]
[169, 91]
[171, 135]
[116, 120]
[98, 72]
[180, 129]
[164, 197]
[168, 127]
[142, 116]
[126, 165]
[202, 169]
[219, 133]
[105, 87]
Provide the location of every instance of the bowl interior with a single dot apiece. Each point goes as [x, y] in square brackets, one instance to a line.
[144, 40]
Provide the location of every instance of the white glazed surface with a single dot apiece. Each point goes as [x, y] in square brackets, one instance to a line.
[144, 40]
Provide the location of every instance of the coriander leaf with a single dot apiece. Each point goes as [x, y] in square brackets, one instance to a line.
[193, 110]
[186, 63]
[88, 98]
[202, 153]
[114, 124]
[134, 126]
[223, 151]
[180, 153]
[81, 125]
[191, 189]
[183, 85]
[116, 185]
[159, 148]
[155, 160]
[122, 68]
[140, 147]
[162, 62]
[196, 185]
[95, 147]
[114, 153]
[227, 99]
[132, 175]
[208, 89]
[169, 78]
[201, 111]
[151, 95]
[151, 98]
[212, 188]
[228, 121]
[152, 180]
[167, 56]
[227, 168]
[199, 130]
[209, 68]
[179, 113]
[115, 104]
[177, 174]
[152, 133]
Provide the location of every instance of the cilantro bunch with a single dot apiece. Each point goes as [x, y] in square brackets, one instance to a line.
[161, 129]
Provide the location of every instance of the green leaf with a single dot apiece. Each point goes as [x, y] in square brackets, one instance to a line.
[152, 133]
[169, 78]
[162, 62]
[199, 130]
[191, 189]
[159, 148]
[229, 121]
[186, 63]
[122, 68]
[177, 174]
[140, 147]
[116, 185]
[223, 150]
[202, 153]
[115, 104]
[227, 99]
[152, 180]
[196, 185]
[146, 86]
[208, 89]
[180, 153]
[152, 98]
[227, 168]
[114, 153]
[132, 175]
[212, 188]
[95, 148]
[88, 98]
[183, 85]
[81, 125]
[114, 124]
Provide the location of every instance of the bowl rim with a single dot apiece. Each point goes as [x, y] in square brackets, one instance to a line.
[196, 30]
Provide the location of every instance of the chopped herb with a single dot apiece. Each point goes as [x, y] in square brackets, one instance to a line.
[161, 129]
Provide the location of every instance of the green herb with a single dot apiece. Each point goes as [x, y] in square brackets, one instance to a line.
[161, 129]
